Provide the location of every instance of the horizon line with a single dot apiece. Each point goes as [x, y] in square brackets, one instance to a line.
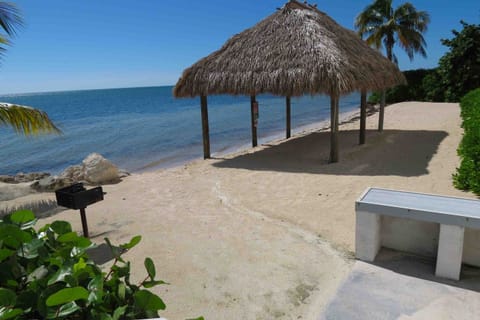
[74, 90]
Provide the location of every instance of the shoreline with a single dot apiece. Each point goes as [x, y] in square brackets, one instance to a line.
[273, 138]
[20, 190]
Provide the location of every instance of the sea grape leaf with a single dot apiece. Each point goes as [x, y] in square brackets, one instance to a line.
[121, 291]
[67, 295]
[133, 242]
[63, 311]
[80, 265]
[68, 237]
[5, 253]
[22, 216]
[29, 250]
[119, 312]
[28, 225]
[60, 275]
[146, 300]
[41, 304]
[67, 309]
[8, 313]
[11, 283]
[7, 297]
[95, 286]
[37, 274]
[122, 271]
[77, 251]
[12, 236]
[71, 281]
[61, 227]
[73, 237]
[150, 266]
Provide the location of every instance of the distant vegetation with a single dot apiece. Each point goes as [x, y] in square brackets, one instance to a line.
[413, 91]
[458, 72]
[468, 174]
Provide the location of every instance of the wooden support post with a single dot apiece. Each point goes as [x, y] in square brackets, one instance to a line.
[205, 129]
[381, 113]
[288, 116]
[254, 121]
[333, 128]
[363, 116]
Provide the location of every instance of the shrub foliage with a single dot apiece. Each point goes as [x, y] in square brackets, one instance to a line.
[47, 274]
[412, 91]
[458, 72]
[459, 69]
[468, 174]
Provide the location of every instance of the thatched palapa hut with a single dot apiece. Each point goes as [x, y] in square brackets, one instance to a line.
[295, 51]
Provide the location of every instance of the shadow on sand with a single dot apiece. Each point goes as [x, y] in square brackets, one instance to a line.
[424, 268]
[393, 152]
[42, 208]
[100, 254]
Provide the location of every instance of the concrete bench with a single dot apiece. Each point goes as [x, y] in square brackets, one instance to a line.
[447, 227]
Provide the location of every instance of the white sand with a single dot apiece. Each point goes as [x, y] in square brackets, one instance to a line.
[268, 233]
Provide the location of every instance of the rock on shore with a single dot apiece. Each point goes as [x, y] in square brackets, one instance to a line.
[23, 177]
[94, 170]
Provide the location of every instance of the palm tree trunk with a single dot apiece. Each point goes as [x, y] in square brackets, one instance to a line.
[333, 128]
[363, 116]
[381, 114]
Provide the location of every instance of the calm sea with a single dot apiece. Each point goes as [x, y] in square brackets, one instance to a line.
[147, 128]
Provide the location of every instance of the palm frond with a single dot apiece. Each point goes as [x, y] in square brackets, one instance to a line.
[375, 39]
[10, 18]
[408, 15]
[25, 120]
[412, 41]
[379, 22]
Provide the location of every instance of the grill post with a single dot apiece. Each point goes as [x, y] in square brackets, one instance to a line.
[84, 222]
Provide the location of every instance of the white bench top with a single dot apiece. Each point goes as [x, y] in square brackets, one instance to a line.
[420, 206]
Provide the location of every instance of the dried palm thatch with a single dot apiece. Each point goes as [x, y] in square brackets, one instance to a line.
[297, 50]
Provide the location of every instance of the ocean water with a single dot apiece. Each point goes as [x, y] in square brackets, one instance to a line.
[143, 129]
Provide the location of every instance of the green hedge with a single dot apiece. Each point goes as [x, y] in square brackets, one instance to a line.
[414, 90]
[468, 174]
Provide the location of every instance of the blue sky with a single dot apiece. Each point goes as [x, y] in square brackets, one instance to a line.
[70, 45]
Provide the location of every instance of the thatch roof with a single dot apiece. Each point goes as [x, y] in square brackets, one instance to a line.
[297, 50]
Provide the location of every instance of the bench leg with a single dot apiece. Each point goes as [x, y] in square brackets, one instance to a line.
[367, 235]
[450, 249]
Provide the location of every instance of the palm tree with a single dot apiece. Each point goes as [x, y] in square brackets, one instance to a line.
[381, 23]
[23, 119]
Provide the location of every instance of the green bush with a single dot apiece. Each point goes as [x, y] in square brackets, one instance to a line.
[467, 176]
[413, 91]
[47, 274]
[459, 69]
[458, 72]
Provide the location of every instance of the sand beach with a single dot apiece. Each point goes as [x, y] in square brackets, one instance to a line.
[269, 233]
